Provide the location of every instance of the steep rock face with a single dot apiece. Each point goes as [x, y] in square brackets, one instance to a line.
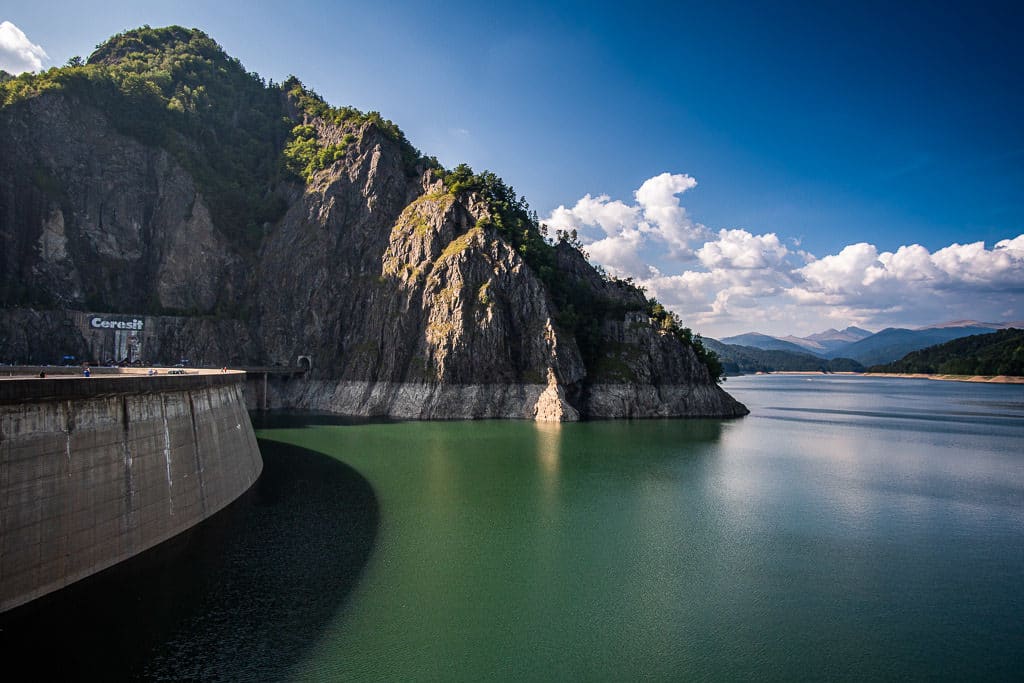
[23, 332]
[31, 337]
[408, 295]
[90, 216]
[412, 308]
[319, 280]
[646, 373]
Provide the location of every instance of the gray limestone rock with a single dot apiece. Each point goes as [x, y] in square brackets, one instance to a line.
[405, 298]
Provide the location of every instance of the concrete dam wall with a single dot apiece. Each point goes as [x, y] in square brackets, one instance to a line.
[96, 470]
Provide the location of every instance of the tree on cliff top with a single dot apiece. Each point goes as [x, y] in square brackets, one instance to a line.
[240, 139]
[176, 88]
[579, 309]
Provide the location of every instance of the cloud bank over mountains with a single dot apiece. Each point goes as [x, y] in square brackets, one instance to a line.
[734, 281]
[17, 53]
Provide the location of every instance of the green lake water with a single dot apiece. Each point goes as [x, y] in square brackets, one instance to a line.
[849, 528]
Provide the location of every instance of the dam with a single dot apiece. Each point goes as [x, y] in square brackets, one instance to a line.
[94, 470]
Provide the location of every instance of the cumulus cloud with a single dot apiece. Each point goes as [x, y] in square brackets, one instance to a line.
[601, 211]
[17, 53]
[655, 217]
[744, 275]
[913, 285]
[738, 249]
[735, 280]
[661, 207]
[620, 253]
[859, 273]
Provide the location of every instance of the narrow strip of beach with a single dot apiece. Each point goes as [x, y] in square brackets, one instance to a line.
[990, 379]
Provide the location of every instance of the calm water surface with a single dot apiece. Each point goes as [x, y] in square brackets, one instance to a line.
[849, 528]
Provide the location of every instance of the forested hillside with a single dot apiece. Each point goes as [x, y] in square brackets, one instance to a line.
[998, 353]
[737, 359]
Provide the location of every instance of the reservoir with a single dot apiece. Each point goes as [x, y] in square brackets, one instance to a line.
[848, 528]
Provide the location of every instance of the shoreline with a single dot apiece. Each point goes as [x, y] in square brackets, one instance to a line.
[986, 379]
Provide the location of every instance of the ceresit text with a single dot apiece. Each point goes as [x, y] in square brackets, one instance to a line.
[101, 323]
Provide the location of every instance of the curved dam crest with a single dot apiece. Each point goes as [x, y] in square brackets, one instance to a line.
[96, 470]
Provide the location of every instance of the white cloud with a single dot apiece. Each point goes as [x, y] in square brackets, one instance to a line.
[656, 218]
[599, 211]
[17, 53]
[740, 249]
[1001, 266]
[846, 271]
[860, 274]
[620, 254]
[658, 198]
[735, 280]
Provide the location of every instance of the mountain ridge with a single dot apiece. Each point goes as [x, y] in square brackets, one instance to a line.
[161, 178]
[869, 348]
[997, 353]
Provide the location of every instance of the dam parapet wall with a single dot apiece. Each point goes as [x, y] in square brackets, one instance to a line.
[96, 470]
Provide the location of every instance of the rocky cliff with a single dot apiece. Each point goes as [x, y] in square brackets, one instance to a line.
[414, 291]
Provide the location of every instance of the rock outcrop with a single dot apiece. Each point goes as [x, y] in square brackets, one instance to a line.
[551, 404]
[409, 294]
[92, 215]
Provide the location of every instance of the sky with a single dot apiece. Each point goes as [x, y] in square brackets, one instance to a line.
[774, 167]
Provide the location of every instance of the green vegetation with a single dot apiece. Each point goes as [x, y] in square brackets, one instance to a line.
[579, 309]
[482, 295]
[461, 243]
[747, 360]
[304, 154]
[299, 155]
[176, 88]
[244, 141]
[510, 216]
[998, 353]
[670, 323]
[844, 365]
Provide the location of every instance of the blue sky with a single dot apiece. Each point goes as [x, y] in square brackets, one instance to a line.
[823, 137]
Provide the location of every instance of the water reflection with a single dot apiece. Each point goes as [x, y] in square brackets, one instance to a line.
[549, 447]
[285, 419]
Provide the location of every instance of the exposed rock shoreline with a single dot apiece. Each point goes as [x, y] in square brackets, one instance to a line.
[544, 403]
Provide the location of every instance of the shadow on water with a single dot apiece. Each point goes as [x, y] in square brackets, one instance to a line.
[284, 419]
[241, 596]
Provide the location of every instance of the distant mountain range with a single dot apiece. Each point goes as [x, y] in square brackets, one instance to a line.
[865, 347]
[766, 343]
[747, 360]
[820, 344]
[996, 353]
[831, 339]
